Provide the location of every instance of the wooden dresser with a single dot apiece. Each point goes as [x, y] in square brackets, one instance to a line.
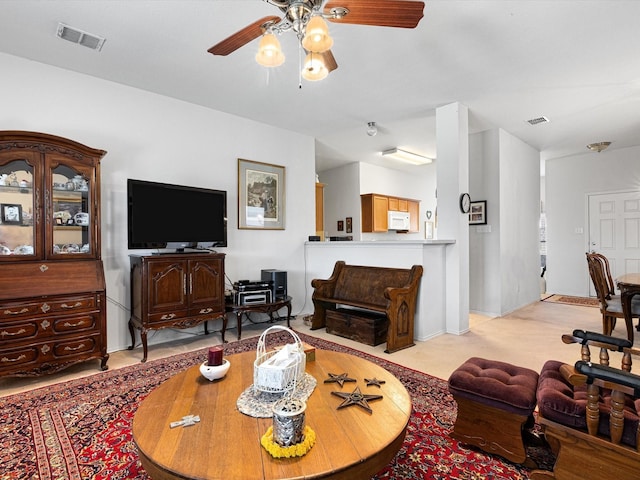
[52, 287]
[175, 291]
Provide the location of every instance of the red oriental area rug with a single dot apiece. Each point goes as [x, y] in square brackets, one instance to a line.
[81, 429]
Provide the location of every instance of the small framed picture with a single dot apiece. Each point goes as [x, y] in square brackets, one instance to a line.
[11, 213]
[349, 225]
[478, 213]
[340, 226]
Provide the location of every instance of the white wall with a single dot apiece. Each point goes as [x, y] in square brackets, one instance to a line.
[504, 254]
[152, 137]
[342, 198]
[568, 183]
[345, 185]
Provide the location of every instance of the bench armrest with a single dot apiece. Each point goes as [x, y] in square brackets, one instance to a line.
[325, 288]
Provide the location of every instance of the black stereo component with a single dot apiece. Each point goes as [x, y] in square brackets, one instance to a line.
[247, 286]
[256, 297]
[278, 279]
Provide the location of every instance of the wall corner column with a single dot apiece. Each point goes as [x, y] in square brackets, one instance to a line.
[452, 140]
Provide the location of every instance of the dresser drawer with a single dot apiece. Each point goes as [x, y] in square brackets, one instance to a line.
[167, 317]
[49, 356]
[40, 329]
[48, 306]
[17, 358]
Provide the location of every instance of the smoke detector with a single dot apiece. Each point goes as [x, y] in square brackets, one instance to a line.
[80, 37]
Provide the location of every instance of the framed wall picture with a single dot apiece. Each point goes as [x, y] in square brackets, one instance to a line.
[478, 213]
[349, 221]
[340, 225]
[260, 195]
[11, 213]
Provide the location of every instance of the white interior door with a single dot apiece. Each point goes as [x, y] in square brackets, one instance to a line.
[614, 231]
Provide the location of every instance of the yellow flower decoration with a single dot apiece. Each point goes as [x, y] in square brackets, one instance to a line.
[297, 450]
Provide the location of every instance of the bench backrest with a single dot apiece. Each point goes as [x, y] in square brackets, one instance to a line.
[367, 284]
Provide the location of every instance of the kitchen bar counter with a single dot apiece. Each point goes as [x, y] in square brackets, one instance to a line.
[431, 312]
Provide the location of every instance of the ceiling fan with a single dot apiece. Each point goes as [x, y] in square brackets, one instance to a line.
[306, 18]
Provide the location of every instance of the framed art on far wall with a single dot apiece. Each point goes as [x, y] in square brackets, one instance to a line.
[478, 213]
[260, 195]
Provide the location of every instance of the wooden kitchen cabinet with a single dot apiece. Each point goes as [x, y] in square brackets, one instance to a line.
[413, 207]
[374, 212]
[52, 287]
[375, 208]
[175, 291]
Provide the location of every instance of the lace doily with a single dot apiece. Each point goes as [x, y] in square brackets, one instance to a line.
[259, 404]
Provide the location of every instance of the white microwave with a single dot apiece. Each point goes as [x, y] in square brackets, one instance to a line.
[398, 220]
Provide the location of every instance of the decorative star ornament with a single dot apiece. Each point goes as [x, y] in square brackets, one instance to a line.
[339, 379]
[373, 382]
[356, 398]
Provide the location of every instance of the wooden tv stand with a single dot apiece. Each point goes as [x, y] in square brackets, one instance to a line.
[175, 291]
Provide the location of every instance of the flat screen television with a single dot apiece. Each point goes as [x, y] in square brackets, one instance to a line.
[161, 215]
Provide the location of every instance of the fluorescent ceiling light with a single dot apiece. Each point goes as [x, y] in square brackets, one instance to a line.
[408, 157]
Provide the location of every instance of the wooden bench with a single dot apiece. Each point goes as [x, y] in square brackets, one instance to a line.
[368, 304]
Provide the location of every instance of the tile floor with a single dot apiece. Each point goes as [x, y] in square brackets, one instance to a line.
[527, 337]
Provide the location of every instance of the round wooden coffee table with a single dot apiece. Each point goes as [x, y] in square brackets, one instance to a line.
[351, 442]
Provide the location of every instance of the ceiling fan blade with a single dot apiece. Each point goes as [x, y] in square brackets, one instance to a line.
[329, 60]
[384, 13]
[241, 38]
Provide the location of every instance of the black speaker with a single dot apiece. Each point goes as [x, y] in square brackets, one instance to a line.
[279, 278]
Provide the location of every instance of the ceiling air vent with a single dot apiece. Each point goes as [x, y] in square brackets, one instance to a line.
[81, 38]
[536, 121]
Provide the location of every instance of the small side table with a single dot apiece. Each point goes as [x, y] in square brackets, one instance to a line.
[268, 308]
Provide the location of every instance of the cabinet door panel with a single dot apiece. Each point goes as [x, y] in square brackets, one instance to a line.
[19, 189]
[207, 281]
[167, 286]
[71, 211]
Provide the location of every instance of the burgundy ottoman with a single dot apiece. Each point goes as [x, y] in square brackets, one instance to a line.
[495, 403]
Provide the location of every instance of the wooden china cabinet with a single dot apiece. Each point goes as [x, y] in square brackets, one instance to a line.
[52, 287]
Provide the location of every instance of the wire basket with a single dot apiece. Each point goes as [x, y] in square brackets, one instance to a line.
[274, 379]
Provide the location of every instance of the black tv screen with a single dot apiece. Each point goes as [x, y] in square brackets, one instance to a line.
[162, 215]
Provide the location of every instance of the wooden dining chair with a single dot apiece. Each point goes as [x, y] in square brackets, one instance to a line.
[610, 304]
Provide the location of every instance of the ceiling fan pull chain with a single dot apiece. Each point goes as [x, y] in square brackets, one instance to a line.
[299, 64]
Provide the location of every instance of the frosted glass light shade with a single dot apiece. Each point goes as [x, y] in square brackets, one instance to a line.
[316, 38]
[269, 52]
[314, 68]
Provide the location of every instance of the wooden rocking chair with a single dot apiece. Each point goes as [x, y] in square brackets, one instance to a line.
[590, 412]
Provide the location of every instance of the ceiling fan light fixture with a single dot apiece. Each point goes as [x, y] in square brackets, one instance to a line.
[407, 157]
[269, 52]
[316, 38]
[314, 68]
[598, 147]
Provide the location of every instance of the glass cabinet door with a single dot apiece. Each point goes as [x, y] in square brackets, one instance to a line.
[70, 211]
[18, 211]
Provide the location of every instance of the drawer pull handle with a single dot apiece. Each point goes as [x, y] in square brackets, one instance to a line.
[43, 268]
[17, 359]
[4, 333]
[10, 312]
[72, 349]
[206, 310]
[168, 317]
[80, 323]
[45, 307]
[76, 305]
[45, 324]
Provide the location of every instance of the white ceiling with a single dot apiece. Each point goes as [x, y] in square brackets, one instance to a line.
[573, 61]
